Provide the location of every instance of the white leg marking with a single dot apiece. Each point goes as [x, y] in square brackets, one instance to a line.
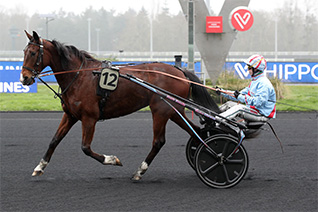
[141, 170]
[39, 169]
[111, 160]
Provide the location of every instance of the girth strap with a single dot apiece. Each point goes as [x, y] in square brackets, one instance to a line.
[101, 92]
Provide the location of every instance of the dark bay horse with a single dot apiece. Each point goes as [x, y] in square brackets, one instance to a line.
[80, 101]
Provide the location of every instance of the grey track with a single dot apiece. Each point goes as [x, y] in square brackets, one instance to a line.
[74, 182]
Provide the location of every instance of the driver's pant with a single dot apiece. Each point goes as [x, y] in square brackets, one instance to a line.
[232, 109]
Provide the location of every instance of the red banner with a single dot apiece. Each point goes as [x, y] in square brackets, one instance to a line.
[214, 24]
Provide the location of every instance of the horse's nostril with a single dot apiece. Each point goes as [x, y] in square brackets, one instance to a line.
[22, 78]
[25, 80]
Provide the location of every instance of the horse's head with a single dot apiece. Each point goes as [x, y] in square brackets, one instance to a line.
[33, 62]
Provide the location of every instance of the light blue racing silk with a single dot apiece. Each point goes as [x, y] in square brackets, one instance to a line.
[259, 95]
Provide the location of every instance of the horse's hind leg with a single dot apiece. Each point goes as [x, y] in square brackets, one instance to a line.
[65, 125]
[88, 129]
[159, 127]
[159, 130]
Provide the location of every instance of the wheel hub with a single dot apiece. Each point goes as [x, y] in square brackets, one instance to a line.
[221, 159]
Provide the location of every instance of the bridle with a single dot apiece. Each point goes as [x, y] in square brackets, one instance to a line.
[39, 60]
[36, 72]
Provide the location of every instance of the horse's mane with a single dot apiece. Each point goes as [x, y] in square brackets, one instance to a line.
[67, 51]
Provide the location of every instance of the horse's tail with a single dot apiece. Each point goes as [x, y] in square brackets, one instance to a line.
[200, 94]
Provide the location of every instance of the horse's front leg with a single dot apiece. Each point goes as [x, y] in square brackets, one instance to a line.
[65, 125]
[88, 129]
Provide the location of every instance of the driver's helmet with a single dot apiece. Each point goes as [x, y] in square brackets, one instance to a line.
[257, 61]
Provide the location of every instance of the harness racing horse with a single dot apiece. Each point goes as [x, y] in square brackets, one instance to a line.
[80, 102]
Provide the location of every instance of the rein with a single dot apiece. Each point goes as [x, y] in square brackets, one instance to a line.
[66, 72]
[136, 70]
[169, 75]
[59, 95]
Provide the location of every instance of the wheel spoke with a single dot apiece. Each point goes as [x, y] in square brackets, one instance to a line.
[225, 147]
[211, 151]
[226, 174]
[235, 161]
[211, 168]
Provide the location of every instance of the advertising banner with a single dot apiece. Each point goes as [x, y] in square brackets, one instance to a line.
[241, 19]
[214, 24]
[302, 72]
[10, 78]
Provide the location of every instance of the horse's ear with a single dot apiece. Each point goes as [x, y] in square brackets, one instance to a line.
[36, 36]
[28, 35]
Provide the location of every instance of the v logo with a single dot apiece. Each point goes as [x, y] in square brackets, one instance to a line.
[242, 21]
[243, 73]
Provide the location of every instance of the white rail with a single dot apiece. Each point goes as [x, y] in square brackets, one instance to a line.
[169, 56]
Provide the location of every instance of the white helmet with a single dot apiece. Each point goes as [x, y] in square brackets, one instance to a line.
[257, 61]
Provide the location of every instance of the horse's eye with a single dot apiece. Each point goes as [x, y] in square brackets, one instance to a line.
[32, 53]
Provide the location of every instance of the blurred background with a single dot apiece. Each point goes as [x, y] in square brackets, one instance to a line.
[113, 28]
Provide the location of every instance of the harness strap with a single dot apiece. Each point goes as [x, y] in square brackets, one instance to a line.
[69, 85]
[30, 69]
[105, 93]
[39, 59]
[56, 94]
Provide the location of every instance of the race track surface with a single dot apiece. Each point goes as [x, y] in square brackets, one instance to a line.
[74, 182]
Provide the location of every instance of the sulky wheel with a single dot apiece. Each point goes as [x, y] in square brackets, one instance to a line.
[219, 166]
[193, 144]
[191, 148]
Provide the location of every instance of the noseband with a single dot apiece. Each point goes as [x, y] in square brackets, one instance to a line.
[39, 60]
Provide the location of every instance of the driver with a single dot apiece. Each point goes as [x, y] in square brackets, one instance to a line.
[259, 96]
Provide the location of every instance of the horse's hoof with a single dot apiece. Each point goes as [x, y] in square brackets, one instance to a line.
[112, 160]
[37, 173]
[136, 178]
[141, 170]
[118, 163]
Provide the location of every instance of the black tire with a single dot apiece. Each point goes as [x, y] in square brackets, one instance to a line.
[192, 145]
[191, 148]
[221, 171]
